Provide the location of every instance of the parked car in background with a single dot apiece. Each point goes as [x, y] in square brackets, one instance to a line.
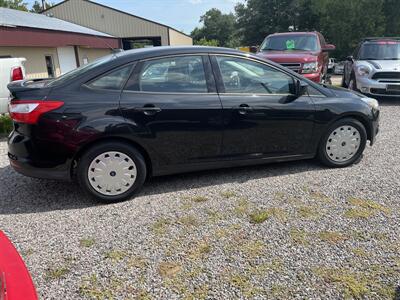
[338, 68]
[374, 68]
[15, 281]
[331, 64]
[11, 69]
[114, 122]
[305, 53]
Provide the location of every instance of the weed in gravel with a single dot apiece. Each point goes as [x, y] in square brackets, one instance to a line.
[308, 212]
[363, 209]
[280, 195]
[360, 252]
[214, 216]
[199, 198]
[137, 262]
[244, 285]
[355, 286]
[316, 195]
[299, 236]
[56, 273]
[259, 217]
[86, 242]
[90, 288]
[188, 221]
[332, 237]
[160, 226]
[116, 255]
[200, 250]
[279, 291]
[27, 252]
[169, 269]
[278, 213]
[242, 207]
[252, 249]
[228, 194]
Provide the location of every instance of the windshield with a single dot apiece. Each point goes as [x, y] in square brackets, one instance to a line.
[78, 71]
[380, 51]
[290, 42]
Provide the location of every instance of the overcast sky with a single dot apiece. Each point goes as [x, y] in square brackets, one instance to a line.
[183, 15]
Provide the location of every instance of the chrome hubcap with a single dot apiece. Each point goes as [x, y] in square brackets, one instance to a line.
[343, 143]
[112, 173]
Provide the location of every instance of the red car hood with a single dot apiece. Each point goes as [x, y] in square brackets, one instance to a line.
[15, 281]
[289, 56]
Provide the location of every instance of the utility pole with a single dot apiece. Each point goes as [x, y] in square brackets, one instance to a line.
[43, 4]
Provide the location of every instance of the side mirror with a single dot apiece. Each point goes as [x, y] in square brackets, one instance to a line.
[328, 47]
[350, 58]
[301, 88]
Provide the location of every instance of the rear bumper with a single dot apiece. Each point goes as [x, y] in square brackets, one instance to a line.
[29, 159]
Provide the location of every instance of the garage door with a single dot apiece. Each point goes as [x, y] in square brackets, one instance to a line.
[66, 58]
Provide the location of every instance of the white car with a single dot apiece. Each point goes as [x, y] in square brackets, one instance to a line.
[11, 69]
[375, 68]
[331, 64]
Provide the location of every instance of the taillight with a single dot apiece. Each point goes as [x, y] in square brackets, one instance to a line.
[17, 74]
[29, 111]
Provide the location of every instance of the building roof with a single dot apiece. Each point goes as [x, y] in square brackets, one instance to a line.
[120, 11]
[17, 18]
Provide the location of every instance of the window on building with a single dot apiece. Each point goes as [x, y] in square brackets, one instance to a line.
[49, 65]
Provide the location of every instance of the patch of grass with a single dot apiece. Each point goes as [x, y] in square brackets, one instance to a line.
[137, 262]
[308, 212]
[188, 220]
[354, 286]
[252, 249]
[280, 195]
[244, 285]
[279, 291]
[160, 226]
[278, 213]
[90, 288]
[169, 269]
[299, 236]
[363, 209]
[242, 207]
[214, 216]
[86, 242]
[316, 195]
[259, 217]
[116, 255]
[356, 213]
[199, 198]
[228, 194]
[332, 237]
[360, 252]
[200, 250]
[56, 273]
[6, 125]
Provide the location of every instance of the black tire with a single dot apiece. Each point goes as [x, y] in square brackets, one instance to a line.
[87, 158]
[322, 152]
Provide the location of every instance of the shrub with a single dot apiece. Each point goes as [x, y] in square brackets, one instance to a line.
[5, 124]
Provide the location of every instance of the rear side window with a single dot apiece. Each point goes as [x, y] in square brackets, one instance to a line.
[183, 74]
[113, 80]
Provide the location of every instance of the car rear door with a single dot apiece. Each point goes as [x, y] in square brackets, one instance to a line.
[260, 120]
[173, 108]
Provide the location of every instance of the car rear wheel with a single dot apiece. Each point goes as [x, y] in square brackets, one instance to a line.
[111, 172]
[343, 143]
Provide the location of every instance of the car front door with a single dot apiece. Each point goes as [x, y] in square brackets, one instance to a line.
[173, 108]
[261, 116]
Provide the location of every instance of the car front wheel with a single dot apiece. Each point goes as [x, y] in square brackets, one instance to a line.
[343, 143]
[111, 171]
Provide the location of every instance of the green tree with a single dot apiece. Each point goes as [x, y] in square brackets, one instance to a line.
[391, 9]
[216, 26]
[205, 42]
[14, 4]
[36, 7]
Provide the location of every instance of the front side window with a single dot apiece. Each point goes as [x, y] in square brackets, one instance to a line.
[113, 80]
[247, 76]
[183, 74]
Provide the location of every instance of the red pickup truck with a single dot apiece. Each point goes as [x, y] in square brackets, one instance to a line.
[303, 52]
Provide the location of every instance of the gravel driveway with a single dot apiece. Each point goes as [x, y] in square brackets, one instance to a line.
[292, 230]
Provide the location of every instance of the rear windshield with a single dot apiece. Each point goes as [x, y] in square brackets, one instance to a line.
[385, 50]
[290, 42]
[81, 70]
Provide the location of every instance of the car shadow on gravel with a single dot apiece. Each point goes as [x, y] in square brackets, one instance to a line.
[389, 101]
[20, 194]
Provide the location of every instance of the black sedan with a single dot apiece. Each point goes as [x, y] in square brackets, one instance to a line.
[118, 120]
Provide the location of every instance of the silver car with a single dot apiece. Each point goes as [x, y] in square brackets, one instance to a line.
[374, 69]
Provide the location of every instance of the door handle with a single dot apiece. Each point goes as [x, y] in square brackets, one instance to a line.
[244, 109]
[148, 109]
